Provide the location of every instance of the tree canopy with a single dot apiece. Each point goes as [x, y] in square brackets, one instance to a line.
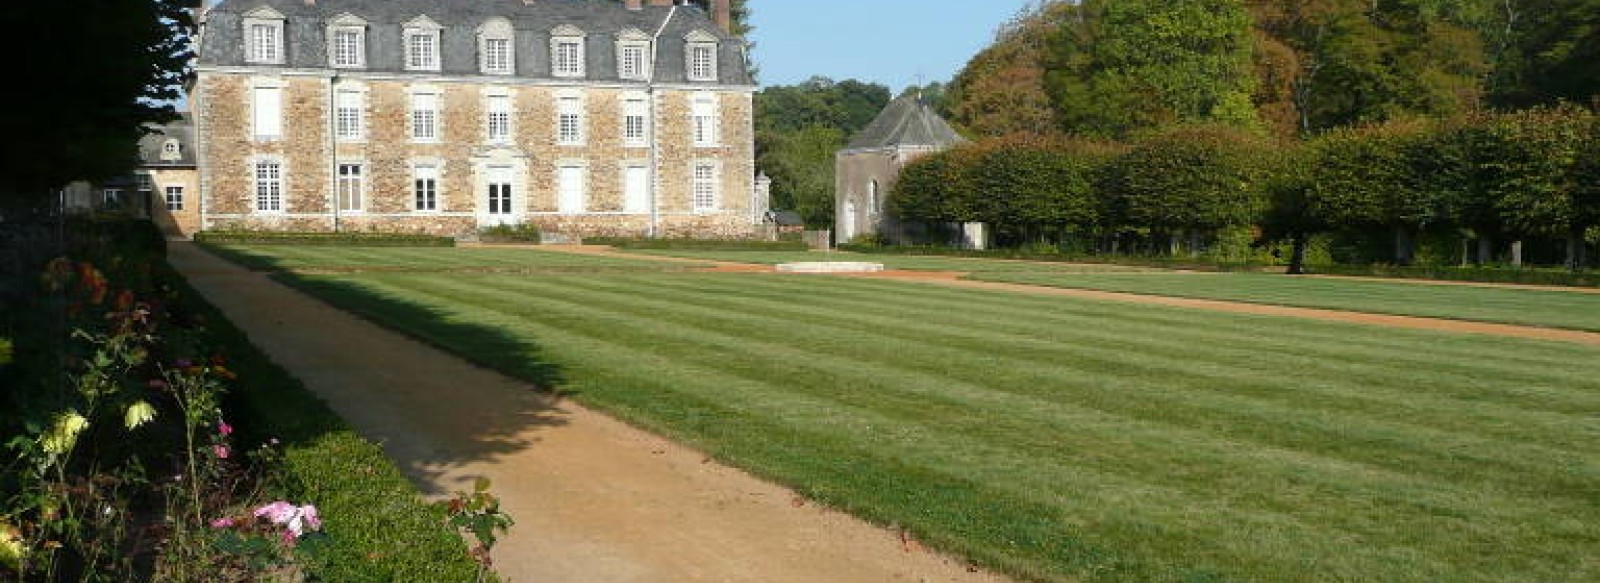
[97, 73]
[798, 130]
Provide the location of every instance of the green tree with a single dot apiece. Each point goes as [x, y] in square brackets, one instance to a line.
[801, 166]
[1116, 66]
[1540, 174]
[1545, 51]
[98, 72]
[1001, 91]
[1190, 180]
[798, 130]
[1375, 177]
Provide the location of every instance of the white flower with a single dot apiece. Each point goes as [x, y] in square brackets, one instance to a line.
[65, 433]
[138, 414]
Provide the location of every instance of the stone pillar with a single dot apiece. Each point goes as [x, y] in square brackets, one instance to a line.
[761, 199]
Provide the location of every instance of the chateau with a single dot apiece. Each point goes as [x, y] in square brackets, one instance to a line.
[583, 117]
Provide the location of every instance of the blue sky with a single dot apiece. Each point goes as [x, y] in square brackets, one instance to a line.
[883, 41]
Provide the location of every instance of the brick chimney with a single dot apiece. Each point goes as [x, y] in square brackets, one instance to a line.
[722, 14]
[635, 5]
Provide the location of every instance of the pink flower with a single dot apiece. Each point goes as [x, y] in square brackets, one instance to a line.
[222, 523]
[277, 512]
[308, 513]
[220, 450]
[224, 428]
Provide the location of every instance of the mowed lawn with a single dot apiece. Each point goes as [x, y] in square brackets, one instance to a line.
[1063, 439]
[1552, 309]
[908, 262]
[291, 257]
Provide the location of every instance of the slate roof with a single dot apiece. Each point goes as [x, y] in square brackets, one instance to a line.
[907, 121]
[305, 32]
[151, 146]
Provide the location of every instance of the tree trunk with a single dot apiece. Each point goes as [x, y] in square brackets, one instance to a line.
[1297, 254]
[1194, 242]
[1575, 249]
[1485, 250]
[1516, 253]
[1466, 252]
[1402, 246]
[1175, 241]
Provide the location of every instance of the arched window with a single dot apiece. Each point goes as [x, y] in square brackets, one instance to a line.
[874, 201]
[496, 52]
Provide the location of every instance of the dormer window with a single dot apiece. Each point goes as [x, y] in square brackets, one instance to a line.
[633, 48]
[495, 42]
[566, 49]
[171, 151]
[347, 42]
[263, 33]
[701, 56]
[422, 44]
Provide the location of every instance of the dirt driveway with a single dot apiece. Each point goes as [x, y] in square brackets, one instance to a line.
[596, 501]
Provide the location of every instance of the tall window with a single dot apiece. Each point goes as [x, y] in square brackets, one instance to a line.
[425, 186]
[569, 118]
[348, 114]
[174, 198]
[263, 36]
[424, 117]
[630, 61]
[266, 43]
[704, 122]
[350, 188]
[422, 50]
[566, 48]
[267, 113]
[269, 187]
[111, 198]
[702, 62]
[497, 56]
[705, 187]
[635, 121]
[349, 48]
[500, 191]
[570, 183]
[499, 118]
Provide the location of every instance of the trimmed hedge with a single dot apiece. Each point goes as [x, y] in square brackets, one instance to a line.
[699, 244]
[380, 529]
[1525, 276]
[1029, 255]
[338, 239]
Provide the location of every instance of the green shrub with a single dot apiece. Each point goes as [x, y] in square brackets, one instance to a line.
[351, 239]
[700, 244]
[526, 233]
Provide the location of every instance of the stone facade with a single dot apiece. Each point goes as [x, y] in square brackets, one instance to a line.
[868, 169]
[309, 153]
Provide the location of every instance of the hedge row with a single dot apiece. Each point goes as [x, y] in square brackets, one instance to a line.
[1493, 177]
[699, 244]
[328, 239]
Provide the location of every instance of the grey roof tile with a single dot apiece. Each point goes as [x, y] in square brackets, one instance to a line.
[152, 144]
[907, 121]
[306, 34]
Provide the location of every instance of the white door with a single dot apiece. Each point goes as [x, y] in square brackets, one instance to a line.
[571, 187]
[498, 199]
[636, 190]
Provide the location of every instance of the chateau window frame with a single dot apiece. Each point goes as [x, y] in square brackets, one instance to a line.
[633, 55]
[263, 30]
[571, 120]
[568, 52]
[499, 113]
[426, 119]
[174, 198]
[426, 177]
[497, 47]
[705, 120]
[635, 120]
[349, 115]
[350, 177]
[421, 42]
[705, 186]
[171, 150]
[700, 55]
[268, 186]
[266, 110]
[347, 42]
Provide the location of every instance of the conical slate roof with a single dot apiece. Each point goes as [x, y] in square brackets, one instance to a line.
[907, 121]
